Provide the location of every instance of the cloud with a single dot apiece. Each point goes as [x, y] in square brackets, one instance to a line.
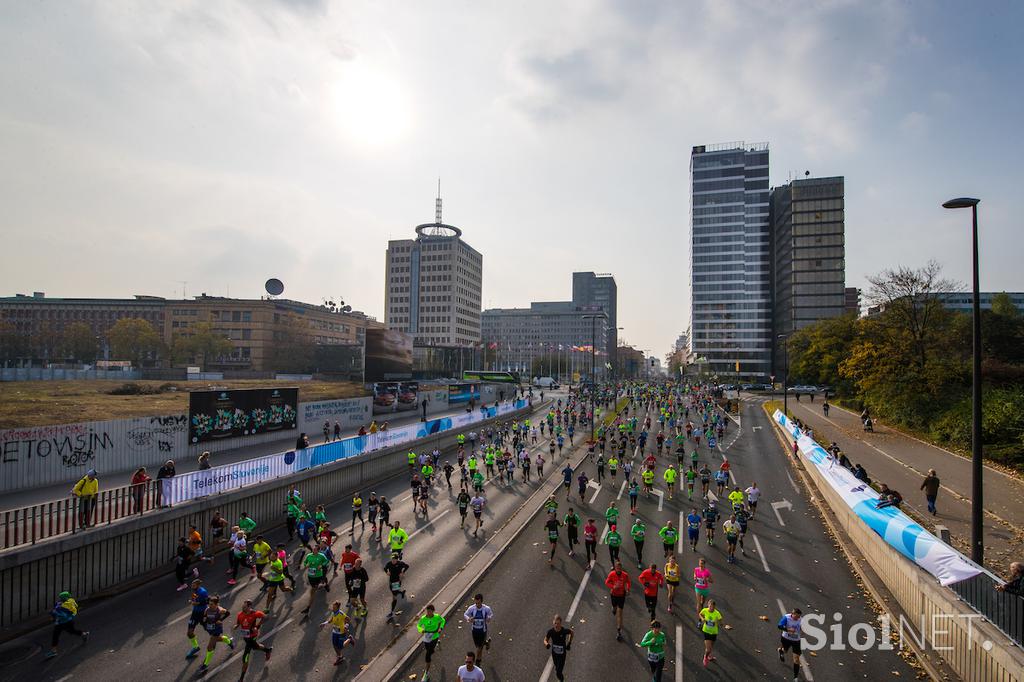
[915, 124]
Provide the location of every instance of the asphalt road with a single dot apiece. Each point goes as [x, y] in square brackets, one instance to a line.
[141, 635]
[791, 561]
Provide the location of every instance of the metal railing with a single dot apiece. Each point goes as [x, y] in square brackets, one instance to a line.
[1003, 609]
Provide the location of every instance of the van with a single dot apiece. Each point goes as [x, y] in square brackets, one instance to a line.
[545, 382]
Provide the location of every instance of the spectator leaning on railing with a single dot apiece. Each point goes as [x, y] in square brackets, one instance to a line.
[1015, 585]
[166, 471]
[139, 481]
[204, 461]
[86, 490]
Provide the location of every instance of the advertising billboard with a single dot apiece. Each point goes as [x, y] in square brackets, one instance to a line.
[408, 395]
[463, 393]
[388, 355]
[385, 397]
[213, 415]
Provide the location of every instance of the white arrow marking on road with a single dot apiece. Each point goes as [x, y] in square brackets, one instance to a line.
[803, 661]
[596, 492]
[428, 523]
[776, 506]
[756, 428]
[712, 496]
[231, 659]
[661, 498]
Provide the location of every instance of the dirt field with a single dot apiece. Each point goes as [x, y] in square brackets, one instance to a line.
[37, 403]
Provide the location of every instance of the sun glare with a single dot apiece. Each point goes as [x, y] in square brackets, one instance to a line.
[370, 107]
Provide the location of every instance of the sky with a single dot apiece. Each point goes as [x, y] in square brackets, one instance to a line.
[146, 144]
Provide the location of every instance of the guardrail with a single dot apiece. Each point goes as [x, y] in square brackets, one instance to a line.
[1002, 609]
[37, 522]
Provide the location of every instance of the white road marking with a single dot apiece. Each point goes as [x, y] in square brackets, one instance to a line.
[792, 482]
[240, 585]
[711, 496]
[756, 428]
[622, 489]
[776, 506]
[231, 659]
[803, 659]
[568, 618]
[596, 493]
[661, 499]
[733, 477]
[760, 553]
[679, 653]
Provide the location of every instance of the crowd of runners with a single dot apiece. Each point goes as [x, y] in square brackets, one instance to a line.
[657, 437]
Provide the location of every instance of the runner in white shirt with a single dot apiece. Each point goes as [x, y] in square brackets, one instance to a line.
[470, 672]
[753, 493]
[479, 617]
[477, 505]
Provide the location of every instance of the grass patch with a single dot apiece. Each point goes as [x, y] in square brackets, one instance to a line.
[38, 403]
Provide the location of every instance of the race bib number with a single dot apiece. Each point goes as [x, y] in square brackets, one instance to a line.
[557, 649]
[653, 657]
[396, 586]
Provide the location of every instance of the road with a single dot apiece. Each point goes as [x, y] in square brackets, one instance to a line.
[142, 634]
[902, 462]
[799, 566]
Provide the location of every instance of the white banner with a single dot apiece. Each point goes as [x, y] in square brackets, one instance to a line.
[894, 526]
[228, 477]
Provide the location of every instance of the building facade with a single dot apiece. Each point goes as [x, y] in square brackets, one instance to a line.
[730, 259]
[809, 254]
[433, 286]
[514, 337]
[853, 295]
[963, 301]
[598, 290]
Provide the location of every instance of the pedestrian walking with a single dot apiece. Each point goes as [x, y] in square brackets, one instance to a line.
[930, 486]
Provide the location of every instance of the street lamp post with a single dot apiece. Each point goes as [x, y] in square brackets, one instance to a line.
[977, 468]
[785, 378]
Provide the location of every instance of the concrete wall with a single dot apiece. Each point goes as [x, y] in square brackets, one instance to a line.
[46, 455]
[46, 374]
[130, 552]
[953, 631]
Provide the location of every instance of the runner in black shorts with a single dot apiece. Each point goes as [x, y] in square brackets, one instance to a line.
[789, 626]
[463, 501]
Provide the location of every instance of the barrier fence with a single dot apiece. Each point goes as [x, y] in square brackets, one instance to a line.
[34, 523]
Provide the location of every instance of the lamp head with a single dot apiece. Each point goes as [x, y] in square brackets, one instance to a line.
[962, 202]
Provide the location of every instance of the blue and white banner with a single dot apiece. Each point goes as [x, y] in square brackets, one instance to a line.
[197, 484]
[894, 526]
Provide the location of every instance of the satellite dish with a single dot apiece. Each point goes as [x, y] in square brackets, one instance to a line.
[274, 286]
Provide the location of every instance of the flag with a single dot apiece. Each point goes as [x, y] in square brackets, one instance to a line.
[493, 345]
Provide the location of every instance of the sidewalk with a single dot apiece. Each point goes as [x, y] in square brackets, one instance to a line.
[24, 498]
[902, 462]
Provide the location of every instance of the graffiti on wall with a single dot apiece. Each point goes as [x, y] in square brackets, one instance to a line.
[73, 444]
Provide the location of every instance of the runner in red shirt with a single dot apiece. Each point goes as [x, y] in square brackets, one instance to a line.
[618, 584]
[348, 560]
[652, 580]
[249, 621]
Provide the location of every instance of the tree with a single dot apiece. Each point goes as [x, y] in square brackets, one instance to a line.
[14, 345]
[46, 342]
[79, 342]
[133, 339]
[1003, 306]
[816, 352]
[208, 343]
[293, 350]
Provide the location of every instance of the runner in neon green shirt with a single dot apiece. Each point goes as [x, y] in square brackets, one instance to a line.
[654, 642]
[430, 626]
[670, 479]
[710, 617]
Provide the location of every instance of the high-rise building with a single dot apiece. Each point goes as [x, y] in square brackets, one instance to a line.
[730, 259]
[598, 290]
[433, 285]
[852, 301]
[809, 254]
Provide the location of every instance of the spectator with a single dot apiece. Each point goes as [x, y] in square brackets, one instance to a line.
[384, 426]
[1015, 585]
[373, 427]
[930, 486]
[860, 473]
[166, 471]
[889, 498]
[825, 406]
[337, 431]
[86, 490]
[139, 482]
[302, 442]
[204, 461]
[362, 431]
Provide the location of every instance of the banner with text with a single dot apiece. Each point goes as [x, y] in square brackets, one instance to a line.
[228, 477]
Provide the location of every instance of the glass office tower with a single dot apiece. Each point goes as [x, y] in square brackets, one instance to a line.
[730, 261]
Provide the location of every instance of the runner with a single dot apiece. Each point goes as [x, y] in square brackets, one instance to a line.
[741, 519]
[669, 537]
[701, 581]
[590, 540]
[213, 623]
[385, 516]
[316, 564]
[789, 625]
[581, 484]
[479, 615]
[470, 672]
[654, 642]
[572, 523]
[478, 503]
[372, 509]
[753, 495]
[600, 467]
[355, 584]
[248, 622]
[691, 478]
[424, 495]
[670, 481]
[199, 601]
[652, 579]
[340, 635]
[357, 512]
[558, 639]
[732, 533]
[395, 569]
[710, 515]
[671, 580]
[567, 480]
[64, 613]
[261, 553]
[552, 524]
[705, 480]
[618, 584]
[648, 478]
[614, 542]
[430, 626]
[613, 467]
[611, 515]
[736, 497]
[463, 503]
[721, 480]
[638, 531]
[710, 617]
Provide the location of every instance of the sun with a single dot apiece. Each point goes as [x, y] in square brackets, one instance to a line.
[369, 106]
